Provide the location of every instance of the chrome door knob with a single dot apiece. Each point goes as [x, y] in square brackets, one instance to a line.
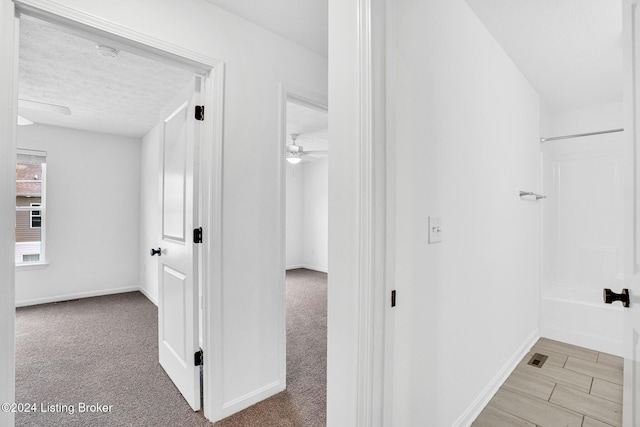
[609, 296]
[156, 252]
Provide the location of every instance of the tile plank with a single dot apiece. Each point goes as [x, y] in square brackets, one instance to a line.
[535, 410]
[587, 404]
[590, 422]
[526, 381]
[558, 375]
[610, 359]
[607, 390]
[494, 417]
[568, 349]
[597, 370]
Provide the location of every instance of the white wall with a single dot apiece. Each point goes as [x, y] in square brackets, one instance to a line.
[307, 215]
[150, 210]
[8, 96]
[315, 215]
[93, 202]
[294, 214]
[464, 123]
[256, 61]
[462, 140]
[583, 234]
[589, 119]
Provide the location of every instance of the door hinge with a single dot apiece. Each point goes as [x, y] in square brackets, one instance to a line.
[393, 298]
[197, 235]
[197, 358]
[200, 112]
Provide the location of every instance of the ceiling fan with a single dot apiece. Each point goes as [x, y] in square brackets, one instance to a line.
[295, 152]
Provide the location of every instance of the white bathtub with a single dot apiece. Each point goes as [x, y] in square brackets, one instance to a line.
[580, 317]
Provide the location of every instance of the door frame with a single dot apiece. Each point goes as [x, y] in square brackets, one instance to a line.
[361, 222]
[315, 101]
[210, 177]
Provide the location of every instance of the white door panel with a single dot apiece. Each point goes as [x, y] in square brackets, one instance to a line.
[175, 174]
[178, 271]
[173, 316]
[631, 31]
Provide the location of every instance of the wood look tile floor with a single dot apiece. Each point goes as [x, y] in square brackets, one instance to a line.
[575, 387]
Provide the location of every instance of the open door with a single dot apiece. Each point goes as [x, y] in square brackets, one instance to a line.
[178, 270]
[631, 33]
[631, 404]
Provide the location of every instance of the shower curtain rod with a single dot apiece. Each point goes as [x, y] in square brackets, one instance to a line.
[578, 135]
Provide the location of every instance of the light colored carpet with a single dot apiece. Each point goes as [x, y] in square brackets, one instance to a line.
[104, 350]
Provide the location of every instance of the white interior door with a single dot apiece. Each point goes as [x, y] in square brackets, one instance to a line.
[631, 405]
[178, 271]
[631, 24]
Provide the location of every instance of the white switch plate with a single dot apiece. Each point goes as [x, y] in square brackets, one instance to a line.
[435, 229]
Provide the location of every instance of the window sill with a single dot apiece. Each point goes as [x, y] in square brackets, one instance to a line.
[32, 266]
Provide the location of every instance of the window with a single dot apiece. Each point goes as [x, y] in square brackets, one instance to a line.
[31, 170]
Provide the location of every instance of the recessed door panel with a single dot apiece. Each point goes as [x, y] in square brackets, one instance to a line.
[175, 329]
[175, 171]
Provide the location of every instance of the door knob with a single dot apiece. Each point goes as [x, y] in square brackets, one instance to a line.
[609, 296]
[156, 252]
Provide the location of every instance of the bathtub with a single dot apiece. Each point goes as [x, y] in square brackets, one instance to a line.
[579, 317]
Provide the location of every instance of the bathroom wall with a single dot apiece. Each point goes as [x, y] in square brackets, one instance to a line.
[583, 229]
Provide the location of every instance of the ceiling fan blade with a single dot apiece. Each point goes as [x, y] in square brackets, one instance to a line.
[43, 106]
[315, 152]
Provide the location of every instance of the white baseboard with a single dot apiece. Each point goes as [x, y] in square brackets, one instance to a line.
[316, 268]
[243, 402]
[483, 399]
[308, 267]
[149, 296]
[77, 295]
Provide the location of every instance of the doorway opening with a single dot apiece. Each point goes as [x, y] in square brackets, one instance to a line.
[306, 277]
[102, 173]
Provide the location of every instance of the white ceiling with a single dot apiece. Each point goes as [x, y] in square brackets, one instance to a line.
[302, 21]
[122, 96]
[570, 50]
[312, 127]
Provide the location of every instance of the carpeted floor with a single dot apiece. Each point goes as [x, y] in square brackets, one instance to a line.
[104, 350]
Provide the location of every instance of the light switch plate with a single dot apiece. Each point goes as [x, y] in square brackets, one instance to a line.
[435, 229]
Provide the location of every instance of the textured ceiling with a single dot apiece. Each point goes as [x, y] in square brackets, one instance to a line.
[303, 21]
[570, 50]
[122, 95]
[312, 126]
